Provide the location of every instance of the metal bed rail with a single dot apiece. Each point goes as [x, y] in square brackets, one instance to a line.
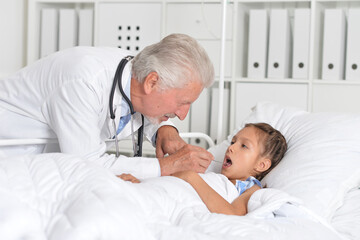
[40, 141]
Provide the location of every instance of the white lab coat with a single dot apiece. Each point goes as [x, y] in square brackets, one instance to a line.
[66, 96]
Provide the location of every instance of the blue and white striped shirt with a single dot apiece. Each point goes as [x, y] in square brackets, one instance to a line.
[242, 186]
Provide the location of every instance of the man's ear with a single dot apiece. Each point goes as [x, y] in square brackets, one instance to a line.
[150, 82]
[263, 165]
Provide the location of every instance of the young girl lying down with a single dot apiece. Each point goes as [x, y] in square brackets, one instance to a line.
[254, 151]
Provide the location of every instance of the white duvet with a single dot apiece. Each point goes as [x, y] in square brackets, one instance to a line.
[56, 196]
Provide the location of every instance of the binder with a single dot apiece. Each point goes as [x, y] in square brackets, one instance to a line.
[182, 125]
[279, 44]
[67, 28]
[199, 119]
[353, 46]
[301, 46]
[333, 45]
[48, 32]
[213, 49]
[258, 38]
[214, 114]
[85, 27]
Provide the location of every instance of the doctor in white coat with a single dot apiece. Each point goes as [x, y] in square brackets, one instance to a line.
[66, 96]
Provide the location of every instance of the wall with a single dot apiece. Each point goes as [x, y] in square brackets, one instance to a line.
[13, 36]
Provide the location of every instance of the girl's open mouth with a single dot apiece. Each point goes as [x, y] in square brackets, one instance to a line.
[227, 162]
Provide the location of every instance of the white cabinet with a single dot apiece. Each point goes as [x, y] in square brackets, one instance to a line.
[213, 49]
[197, 19]
[311, 93]
[249, 93]
[37, 37]
[335, 97]
[118, 26]
[202, 21]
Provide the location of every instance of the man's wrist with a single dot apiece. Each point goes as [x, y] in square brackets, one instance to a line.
[164, 126]
[164, 166]
[167, 126]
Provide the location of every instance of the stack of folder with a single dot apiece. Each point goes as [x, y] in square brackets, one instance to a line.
[64, 28]
[276, 51]
[341, 45]
[273, 51]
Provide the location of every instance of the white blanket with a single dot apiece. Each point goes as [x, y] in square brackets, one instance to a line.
[55, 196]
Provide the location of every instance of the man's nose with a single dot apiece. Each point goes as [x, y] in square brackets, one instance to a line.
[183, 111]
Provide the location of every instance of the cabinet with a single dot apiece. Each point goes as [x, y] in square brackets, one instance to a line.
[311, 93]
[135, 24]
[247, 93]
[118, 26]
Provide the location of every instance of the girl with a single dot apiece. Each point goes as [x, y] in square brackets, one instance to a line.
[254, 151]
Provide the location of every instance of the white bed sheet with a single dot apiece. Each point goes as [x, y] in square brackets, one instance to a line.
[56, 196]
[347, 218]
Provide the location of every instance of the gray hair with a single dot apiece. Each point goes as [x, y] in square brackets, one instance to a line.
[177, 59]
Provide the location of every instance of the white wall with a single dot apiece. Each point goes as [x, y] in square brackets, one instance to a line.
[12, 36]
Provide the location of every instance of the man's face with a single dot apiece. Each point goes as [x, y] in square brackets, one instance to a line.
[161, 105]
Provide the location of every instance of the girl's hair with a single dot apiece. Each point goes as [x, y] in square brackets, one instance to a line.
[274, 145]
[177, 59]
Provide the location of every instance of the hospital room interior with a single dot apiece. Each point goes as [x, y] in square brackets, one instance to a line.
[292, 64]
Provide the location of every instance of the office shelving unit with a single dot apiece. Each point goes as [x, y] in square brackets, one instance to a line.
[313, 93]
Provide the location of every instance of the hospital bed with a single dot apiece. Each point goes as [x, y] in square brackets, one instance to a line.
[312, 194]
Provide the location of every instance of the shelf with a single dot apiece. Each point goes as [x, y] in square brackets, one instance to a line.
[336, 82]
[199, 1]
[65, 1]
[226, 79]
[336, 1]
[273, 1]
[269, 80]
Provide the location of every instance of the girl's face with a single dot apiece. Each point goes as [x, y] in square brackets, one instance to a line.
[243, 155]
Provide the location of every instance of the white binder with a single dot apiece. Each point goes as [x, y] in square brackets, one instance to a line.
[258, 38]
[49, 31]
[279, 44]
[300, 62]
[353, 46]
[67, 28]
[215, 112]
[199, 119]
[85, 27]
[333, 44]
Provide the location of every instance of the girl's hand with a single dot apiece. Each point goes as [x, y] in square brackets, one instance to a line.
[184, 175]
[129, 178]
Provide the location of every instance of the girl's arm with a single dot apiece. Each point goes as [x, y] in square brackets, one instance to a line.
[213, 201]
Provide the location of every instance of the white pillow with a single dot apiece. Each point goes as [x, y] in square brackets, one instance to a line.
[322, 162]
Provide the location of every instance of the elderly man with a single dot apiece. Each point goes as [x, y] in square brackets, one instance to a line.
[66, 96]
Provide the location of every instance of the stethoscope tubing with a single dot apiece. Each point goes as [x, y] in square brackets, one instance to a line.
[118, 80]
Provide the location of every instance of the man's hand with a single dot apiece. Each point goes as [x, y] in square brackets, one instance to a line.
[168, 141]
[189, 157]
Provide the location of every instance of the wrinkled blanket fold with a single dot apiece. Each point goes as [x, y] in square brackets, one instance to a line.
[56, 196]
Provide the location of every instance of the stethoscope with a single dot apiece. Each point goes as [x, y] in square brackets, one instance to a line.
[117, 79]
